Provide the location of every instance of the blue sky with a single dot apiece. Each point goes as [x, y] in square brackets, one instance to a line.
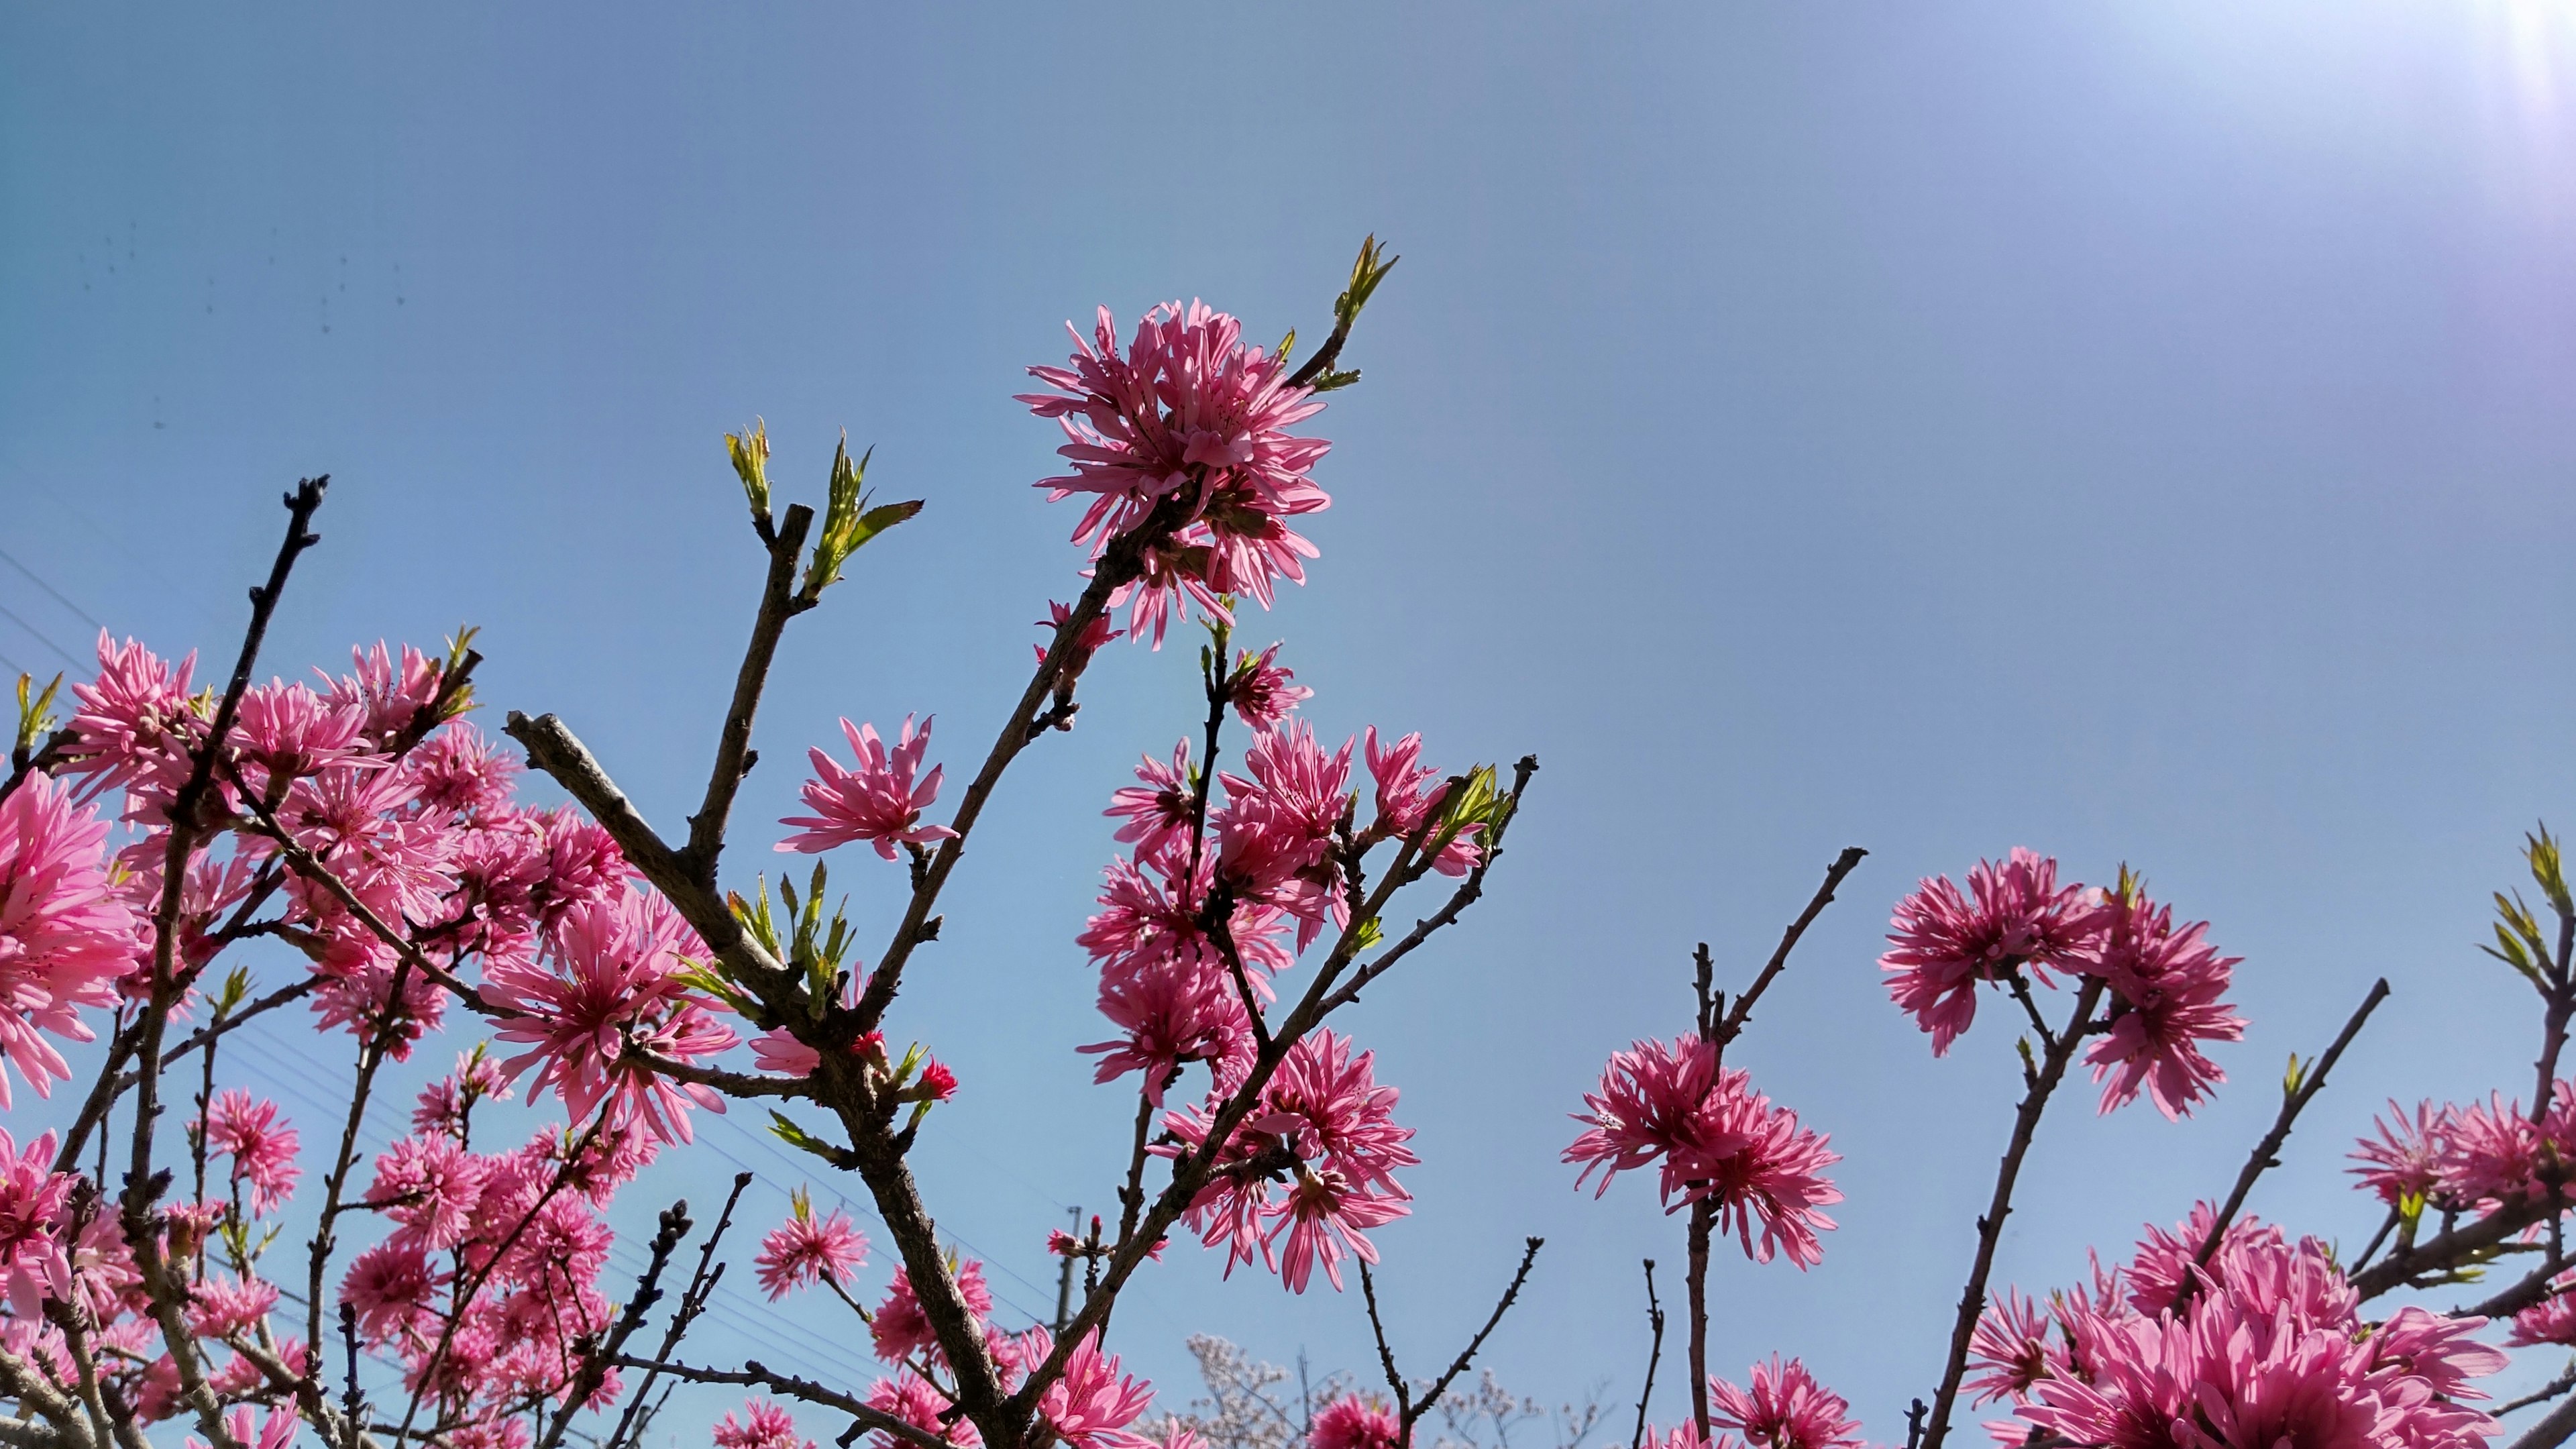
[2141, 432]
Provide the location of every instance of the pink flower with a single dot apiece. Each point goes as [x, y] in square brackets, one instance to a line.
[33, 1197]
[2009, 1350]
[431, 1186]
[2407, 1159]
[394, 1289]
[1357, 1422]
[806, 1249]
[1188, 411]
[778, 1050]
[911, 1398]
[1262, 690]
[1410, 793]
[65, 938]
[457, 770]
[245, 1426]
[2551, 1320]
[1785, 1409]
[1945, 945]
[1325, 1128]
[1171, 1015]
[2165, 985]
[225, 1305]
[877, 802]
[2272, 1351]
[616, 987]
[763, 1425]
[286, 731]
[1719, 1141]
[260, 1143]
[901, 1328]
[390, 693]
[1158, 808]
[135, 725]
[1091, 1406]
[1078, 656]
[444, 1106]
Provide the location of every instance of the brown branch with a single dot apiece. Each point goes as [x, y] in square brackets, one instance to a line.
[2566, 1380]
[693, 1301]
[1467, 894]
[1990, 1228]
[1458, 1365]
[1703, 1220]
[2294, 1100]
[1654, 1356]
[778, 604]
[2552, 1430]
[1193, 1170]
[185, 829]
[2447, 1250]
[1844, 864]
[753, 1375]
[597, 1356]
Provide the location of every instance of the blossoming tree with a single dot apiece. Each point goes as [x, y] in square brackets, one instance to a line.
[454, 1288]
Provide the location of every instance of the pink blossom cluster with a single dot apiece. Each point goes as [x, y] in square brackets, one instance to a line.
[2016, 927]
[1091, 1405]
[2269, 1348]
[1305, 1173]
[1188, 415]
[1782, 1407]
[2476, 1159]
[489, 1280]
[1719, 1142]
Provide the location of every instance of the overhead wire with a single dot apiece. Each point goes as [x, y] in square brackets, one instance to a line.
[58, 596]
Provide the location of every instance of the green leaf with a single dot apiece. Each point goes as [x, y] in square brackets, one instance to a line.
[848, 521]
[2541, 850]
[2290, 1079]
[750, 451]
[797, 1137]
[35, 716]
[1368, 933]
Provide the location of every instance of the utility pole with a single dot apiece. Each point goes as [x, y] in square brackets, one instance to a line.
[1064, 1279]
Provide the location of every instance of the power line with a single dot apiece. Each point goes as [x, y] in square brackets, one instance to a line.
[11, 615]
[49, 588]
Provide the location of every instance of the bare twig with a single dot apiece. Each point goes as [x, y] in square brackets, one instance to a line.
[1844, 864]
[778, 603]
[693, 1301]
[1990, 1228]
[753, 1375]
[1654, 1355]
[2295, 1097]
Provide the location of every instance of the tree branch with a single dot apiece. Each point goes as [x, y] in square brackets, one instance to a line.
[1990, 1228]
[778, 604]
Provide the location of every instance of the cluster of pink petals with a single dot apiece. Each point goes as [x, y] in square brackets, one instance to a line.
[901, 1330]
[34, 1263]
[260, 1143]
[607, 988]
[1945, 944]
[2270, 1350]
[806, 1249]
[1091, 1405]
[1187, 411]
[763, 1425]
[2016, 923]
[1354, 1422]
[1785, 1408]
[1308, 1171]
[2472, 1158]
[1263, 691]
[1718, 1140]
[66, 938]
[879, 802]
[521, 1230]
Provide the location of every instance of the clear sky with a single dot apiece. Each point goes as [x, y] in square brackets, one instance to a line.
[2138, 431]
